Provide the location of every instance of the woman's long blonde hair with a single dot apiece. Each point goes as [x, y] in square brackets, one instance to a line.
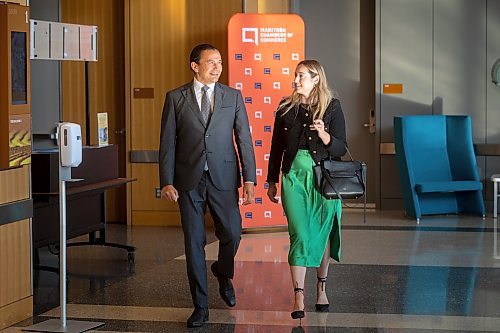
[320, 95]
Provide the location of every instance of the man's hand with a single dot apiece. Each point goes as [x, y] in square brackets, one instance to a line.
[248, 194]
[169, 193]
[272, 191]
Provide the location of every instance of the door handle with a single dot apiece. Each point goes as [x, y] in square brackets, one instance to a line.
[371, 124]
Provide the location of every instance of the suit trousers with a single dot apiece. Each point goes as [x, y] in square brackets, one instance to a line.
[225, 213]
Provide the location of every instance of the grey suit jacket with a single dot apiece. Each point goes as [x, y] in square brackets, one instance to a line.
[186, 143]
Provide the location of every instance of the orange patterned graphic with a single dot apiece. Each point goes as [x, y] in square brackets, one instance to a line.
[263, 51]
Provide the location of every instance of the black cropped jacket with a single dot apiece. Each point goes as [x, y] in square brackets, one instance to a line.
[288, 129]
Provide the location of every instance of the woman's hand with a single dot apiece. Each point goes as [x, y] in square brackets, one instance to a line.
[272, 191]
[319, 126]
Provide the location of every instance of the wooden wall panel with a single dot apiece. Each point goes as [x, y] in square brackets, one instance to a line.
[15, 256]
[146, 186]
[158, 52]
[213, 16]
[16, 312]
[107, 85]
[161, 36]
[16, 299]
[14, 184]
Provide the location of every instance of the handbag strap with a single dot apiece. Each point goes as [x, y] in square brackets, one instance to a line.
[361, 178]
[348, 152]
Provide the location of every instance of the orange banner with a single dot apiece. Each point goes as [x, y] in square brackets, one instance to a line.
[263, 51]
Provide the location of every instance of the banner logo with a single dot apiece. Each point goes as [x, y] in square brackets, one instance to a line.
[250, 35]
[266, 35]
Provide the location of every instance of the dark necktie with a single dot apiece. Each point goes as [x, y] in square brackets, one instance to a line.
[205, 104]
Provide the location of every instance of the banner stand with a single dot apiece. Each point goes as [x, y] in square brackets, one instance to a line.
[263, 52]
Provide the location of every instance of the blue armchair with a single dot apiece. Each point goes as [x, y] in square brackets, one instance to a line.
[437, 165]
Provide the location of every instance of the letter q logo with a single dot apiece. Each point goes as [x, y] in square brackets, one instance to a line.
[250, 35]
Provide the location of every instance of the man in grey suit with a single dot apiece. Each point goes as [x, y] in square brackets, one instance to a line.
[199, 167]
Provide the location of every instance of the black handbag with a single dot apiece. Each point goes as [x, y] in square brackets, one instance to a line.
[340, 179]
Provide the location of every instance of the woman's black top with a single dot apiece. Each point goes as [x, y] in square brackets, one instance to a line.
[291, 132]
[305, 116]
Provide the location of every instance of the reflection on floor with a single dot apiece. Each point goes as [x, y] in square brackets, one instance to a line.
[395, 276]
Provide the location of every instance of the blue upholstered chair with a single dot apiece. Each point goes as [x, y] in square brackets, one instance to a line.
[437, 165]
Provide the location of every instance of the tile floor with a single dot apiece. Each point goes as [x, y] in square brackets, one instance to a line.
[395, 276]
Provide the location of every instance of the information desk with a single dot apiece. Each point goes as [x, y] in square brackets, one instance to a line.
[85, 200]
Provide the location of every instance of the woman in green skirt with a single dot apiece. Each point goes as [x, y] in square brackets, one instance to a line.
[309, 126]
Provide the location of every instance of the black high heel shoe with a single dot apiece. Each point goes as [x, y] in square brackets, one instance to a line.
[298, 314]
[322, 307]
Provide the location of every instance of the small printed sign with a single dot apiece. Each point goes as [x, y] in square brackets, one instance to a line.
[102, 129]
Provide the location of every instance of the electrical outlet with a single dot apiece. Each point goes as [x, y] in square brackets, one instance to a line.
[158, 192]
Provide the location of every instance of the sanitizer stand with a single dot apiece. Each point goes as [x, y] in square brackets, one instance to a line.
[63, 325]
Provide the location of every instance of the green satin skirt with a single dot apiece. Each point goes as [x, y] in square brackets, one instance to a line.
[312, 219]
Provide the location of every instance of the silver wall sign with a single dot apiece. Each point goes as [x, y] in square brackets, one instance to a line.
[63, 41]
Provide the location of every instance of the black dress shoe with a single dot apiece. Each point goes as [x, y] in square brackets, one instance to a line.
[198, 318]
[226, 289]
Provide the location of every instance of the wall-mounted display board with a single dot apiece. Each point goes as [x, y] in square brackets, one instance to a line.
[15, 119]
[63, 41]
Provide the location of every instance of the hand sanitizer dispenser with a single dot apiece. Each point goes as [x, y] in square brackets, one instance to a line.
[70, 143]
